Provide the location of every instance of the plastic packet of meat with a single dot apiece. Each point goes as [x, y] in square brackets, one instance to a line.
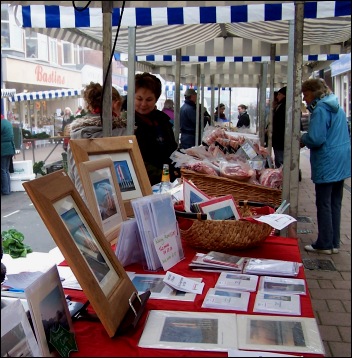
[235, 170]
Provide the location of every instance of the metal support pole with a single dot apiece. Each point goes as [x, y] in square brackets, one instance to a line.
[107, 7]
[177, 95]
[262, 97]
[131, 80]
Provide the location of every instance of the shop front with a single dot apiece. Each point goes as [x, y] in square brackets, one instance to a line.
[45, 84]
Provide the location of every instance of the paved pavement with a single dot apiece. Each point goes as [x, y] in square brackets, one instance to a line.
[330, 291]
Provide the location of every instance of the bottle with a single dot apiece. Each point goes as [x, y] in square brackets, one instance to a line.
[165, 183]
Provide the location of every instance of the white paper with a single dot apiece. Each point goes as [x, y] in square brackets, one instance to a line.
[68, 279]
[279, 285]
[241, 353]
[226, 299]
[237, 281]
[271, 267]
[184, 330]
[181, 283]
[277, 303]
[277, 221]
[167, 249]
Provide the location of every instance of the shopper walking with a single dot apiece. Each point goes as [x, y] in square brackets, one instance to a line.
[8, 150]
[330, 159]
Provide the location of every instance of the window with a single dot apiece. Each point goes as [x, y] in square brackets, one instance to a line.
[36, 45]
[53, 55]
[68, 53]
[11, 34]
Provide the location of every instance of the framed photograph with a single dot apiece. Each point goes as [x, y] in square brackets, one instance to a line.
[84, 247]
[103, 195]
[222, 208]
[48, 307]
[124, 151]
[199, 331]
[279, 333]
[17, 337]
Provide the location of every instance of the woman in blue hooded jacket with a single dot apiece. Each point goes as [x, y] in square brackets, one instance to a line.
[330, 159]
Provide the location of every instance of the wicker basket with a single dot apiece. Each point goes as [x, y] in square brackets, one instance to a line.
[218, 186]
[222, 235]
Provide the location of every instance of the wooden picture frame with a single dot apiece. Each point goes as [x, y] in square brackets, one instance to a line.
[84, 247]
[128, 162]
[103, 196]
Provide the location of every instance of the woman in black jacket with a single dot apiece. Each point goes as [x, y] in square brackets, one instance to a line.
[243, 117]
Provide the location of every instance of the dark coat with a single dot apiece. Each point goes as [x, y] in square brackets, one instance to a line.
[156, 141]
[278, 136]
[243, 120]
[7, 138]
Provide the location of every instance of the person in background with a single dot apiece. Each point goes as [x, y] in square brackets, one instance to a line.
[219, 114]
[330, 160]
[243, 117]
[279, 122]
[153, 131]
[91, 126]
[67, 119]
[8, 150]
[188, 119]
[80, 112]
[169, 110]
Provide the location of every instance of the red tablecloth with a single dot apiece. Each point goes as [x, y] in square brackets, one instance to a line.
[93, 340]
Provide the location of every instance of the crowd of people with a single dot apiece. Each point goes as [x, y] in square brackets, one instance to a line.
[327, 137]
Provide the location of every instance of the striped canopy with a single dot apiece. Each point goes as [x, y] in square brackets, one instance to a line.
[7, 92]
[232, 30]
[53, 94]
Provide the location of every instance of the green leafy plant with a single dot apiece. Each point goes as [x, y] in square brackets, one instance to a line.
[12, 242]
[38, 168]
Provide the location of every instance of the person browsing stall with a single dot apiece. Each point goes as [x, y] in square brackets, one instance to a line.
[154, 133]
[91, 126]
[169, 110]
[330, 160]
[219, 114]
[243, 117]
[278, 125]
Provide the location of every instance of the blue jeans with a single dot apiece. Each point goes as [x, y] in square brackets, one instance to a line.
[5, 174]
[328, 201]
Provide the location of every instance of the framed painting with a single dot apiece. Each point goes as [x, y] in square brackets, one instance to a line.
[84, 247]
[103, 195]
[124, 151]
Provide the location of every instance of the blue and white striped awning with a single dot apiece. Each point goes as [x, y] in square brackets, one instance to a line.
[7, 92]
[55, 16]
[47, 95]
[172, 58]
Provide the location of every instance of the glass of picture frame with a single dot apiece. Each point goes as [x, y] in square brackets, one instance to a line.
[103, 195]
[84, 247]
[128, 163]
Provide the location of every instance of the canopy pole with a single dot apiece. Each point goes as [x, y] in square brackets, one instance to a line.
[197, 108]
[131, 80]
[177, 105]
[262, 97]
[107, 7]
[271, 100]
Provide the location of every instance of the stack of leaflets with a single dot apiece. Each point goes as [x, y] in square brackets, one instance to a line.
[277, 303]
[156, 218]
[217, 261]
[237, 281]
[226, 299]
[279, 285]
[271, 267]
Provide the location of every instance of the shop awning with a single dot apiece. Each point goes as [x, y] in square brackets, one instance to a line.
[7, 92]
[341, 66]
[47, 95]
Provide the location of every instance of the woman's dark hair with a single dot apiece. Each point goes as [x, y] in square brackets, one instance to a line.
[242, 106]
[147, 80]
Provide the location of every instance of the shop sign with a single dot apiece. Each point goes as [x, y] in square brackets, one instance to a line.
[48, 77]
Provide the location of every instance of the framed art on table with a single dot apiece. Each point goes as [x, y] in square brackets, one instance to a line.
[84, 247]
[103, 195]
[48, 307]
[128, 163]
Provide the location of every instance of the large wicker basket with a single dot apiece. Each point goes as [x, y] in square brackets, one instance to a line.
[218, 186]
[222, 235]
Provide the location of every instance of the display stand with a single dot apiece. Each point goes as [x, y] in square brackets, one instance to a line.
[137, 305]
